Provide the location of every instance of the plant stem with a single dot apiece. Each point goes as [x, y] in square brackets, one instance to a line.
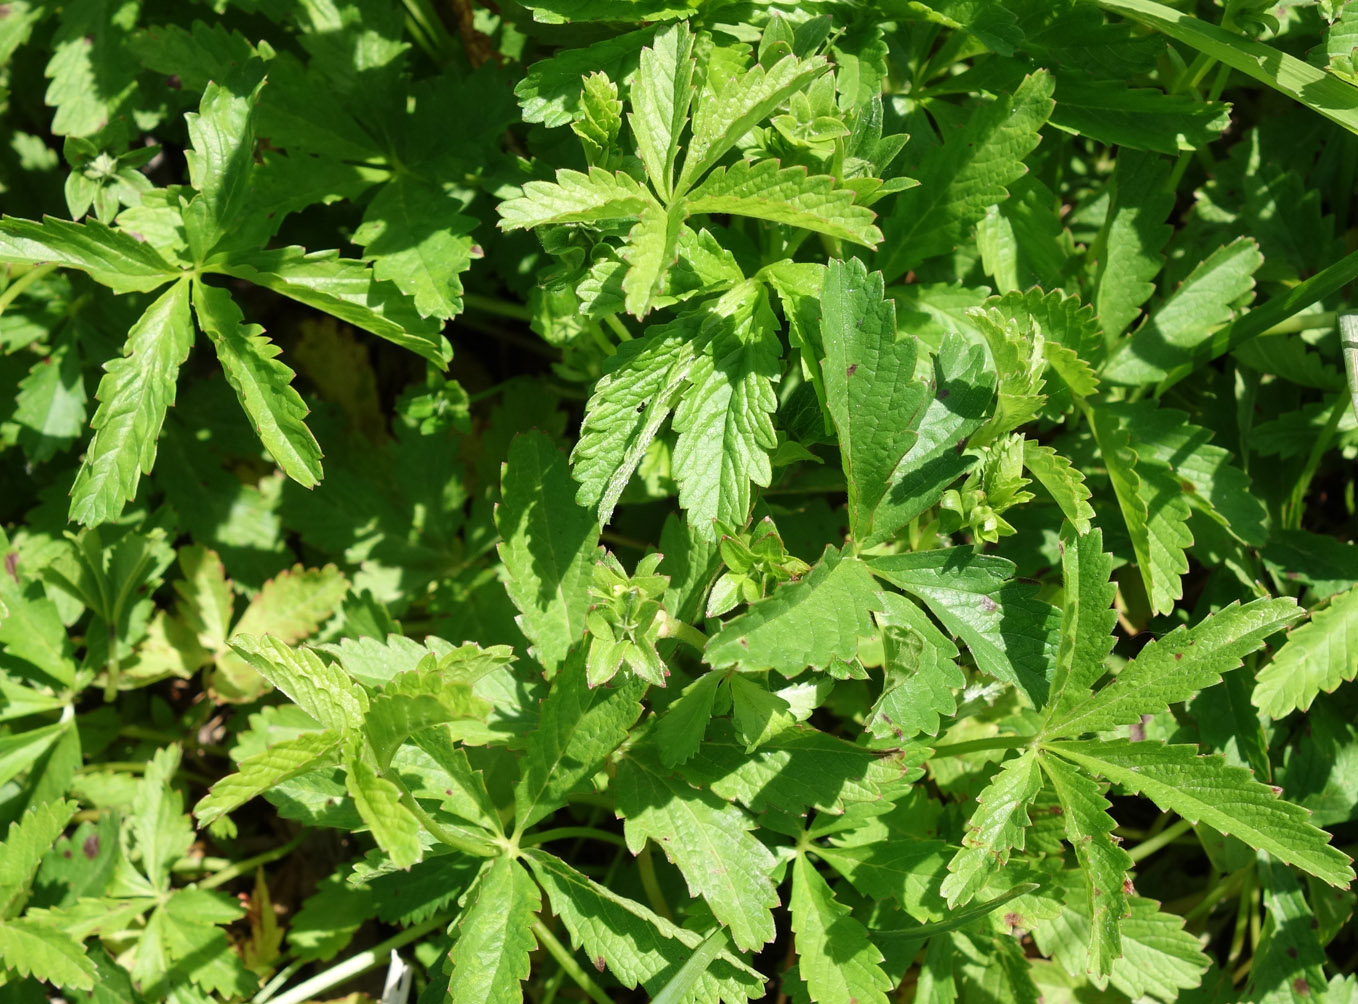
[651, 883]
[567, 962]
[250, 864]
[439, 832]
[981, 745]
[1164, 838]
[358, 964]
[501, 308]
[566, 832]
[686, 633]
[20, 284]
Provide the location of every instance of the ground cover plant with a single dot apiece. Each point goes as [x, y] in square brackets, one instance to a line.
[631, 500]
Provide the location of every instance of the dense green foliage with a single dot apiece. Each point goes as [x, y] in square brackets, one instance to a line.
[631, 500]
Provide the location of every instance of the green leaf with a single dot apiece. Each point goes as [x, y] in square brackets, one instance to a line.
[650, 250]
[963, 177]
[321, 689]
[347, 289]
[1087, 619]
[490, 957]
[635, 945]
[1103, 862]
[1175, 667]
[680, 730]
[378, 801]
[221, 161]
[1289, 962]
[163, 832]
[548, 547]
[787, 195]
[31, 629]
[30, 949]
[905, 870]
[21, 750]
[259, 773]
[1309, 86]
[113, 258]
[724, 420]
[800, 768]
[578, 727]
[803, 624]
[420, 242]
[50, 404]
[1206, 789]
[28, 840]
[1159, 958]
[1063, 482]
[709, 840]
[262, 383]
[1318, 656]
[962, 395]
[870, 386]
[415, 701]
[1129, 246]
[94, 77]
[733, 102]
[1173, 334]
[920, 673]
[1137, 118]
[1182, 450]
[661, 94]
[630, 402]
[134, 393]
[574, 197]
[1009, 631]
[1154, 509]
[834, 955]
[995, 828]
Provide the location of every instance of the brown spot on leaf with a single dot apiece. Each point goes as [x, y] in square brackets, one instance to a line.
[12, 565]
[853, 368]
[90, 848]
[1302, 988]
[1178, 656]
[599, 963]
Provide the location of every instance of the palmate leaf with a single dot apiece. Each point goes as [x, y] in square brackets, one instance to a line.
[1187, 319]
[635, 945]
[221, 159]
[1159, 958]
[262, 383]
[1164, 437]
[1087, 618]
[1318, 656]
[789, 195]
[870, 386]
[962, 178]
[1009, 631]
[52, 956]
[802, 624]
[661, 95]
[629, 405]
[1103, 862]
[112, 257]
[574, 197]
[578, 728]
[731, 104]
[257, 774]
[1175, 667]
[920, 672]
[1154, 508]
[321, 689]
[490, 957]
[548, 546]
[1128, 248]
[708, 839]
[27, 841]
[724, 420]
[344, 288]
[1063, 483]
[134, 393]
[995, 828]
[800, 768]
[1206, 789]
[419, 241]
[834, 955]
